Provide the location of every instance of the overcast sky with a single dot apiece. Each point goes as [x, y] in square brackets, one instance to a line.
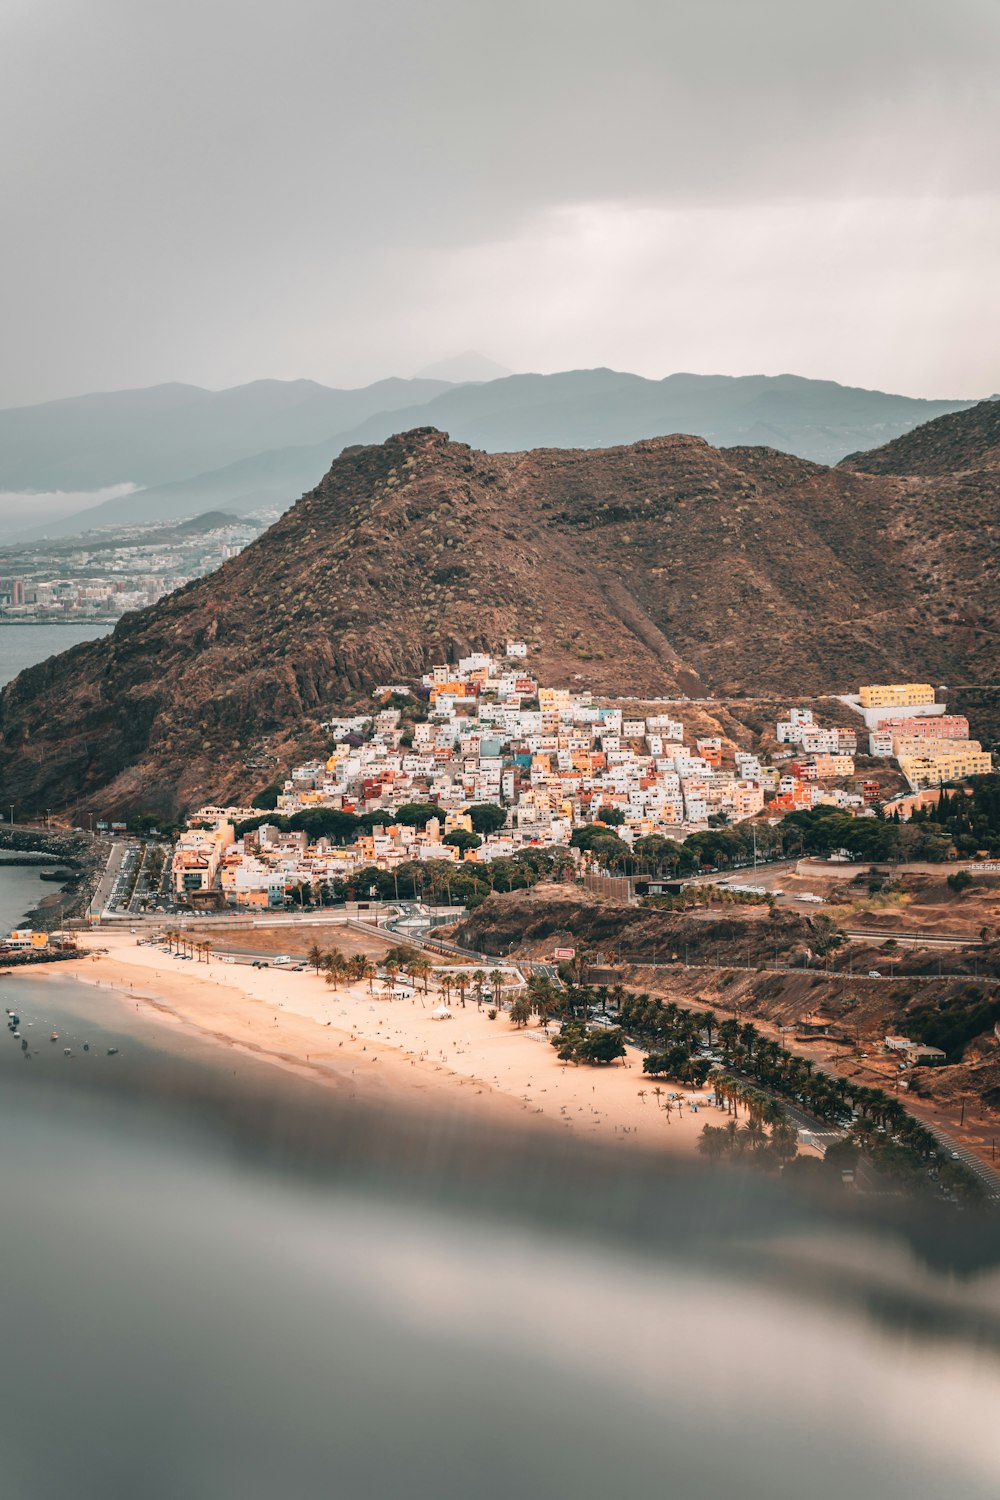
[219, 190]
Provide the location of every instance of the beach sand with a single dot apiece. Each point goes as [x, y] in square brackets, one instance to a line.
[394, 1050]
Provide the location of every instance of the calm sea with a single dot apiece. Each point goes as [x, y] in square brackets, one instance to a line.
[219, 1283]
[23, 645]
[20, 889]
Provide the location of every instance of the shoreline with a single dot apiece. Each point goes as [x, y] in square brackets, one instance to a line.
[393, 1051]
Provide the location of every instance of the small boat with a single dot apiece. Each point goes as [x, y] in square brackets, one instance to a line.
[53, 1036]
[24, 1045]
[112, 1051]
[67, 1052]
[86, 1046]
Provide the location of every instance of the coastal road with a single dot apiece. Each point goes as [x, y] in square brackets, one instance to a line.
[987, 1174]
[911, 939]
[106, 884]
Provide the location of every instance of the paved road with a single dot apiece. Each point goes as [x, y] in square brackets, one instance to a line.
[105, 885]
[912, 939]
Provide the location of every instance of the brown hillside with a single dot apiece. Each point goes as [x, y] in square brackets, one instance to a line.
[662, 567]
[958, 441]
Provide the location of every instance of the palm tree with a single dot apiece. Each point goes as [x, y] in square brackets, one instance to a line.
[496, 980]
[446, 984]
[479, 980]
[315, 956]
[335, 965]
[206, 948]
[391, 970]
[520, 1011]
[462, 984]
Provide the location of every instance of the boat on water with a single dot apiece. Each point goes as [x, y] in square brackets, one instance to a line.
[112, 1051]
[53, 1036]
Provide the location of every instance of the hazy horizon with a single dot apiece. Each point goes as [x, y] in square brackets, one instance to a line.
[333, 192]
[110, 390]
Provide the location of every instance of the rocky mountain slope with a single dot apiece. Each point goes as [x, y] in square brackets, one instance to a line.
[668, 566]
[956, 442]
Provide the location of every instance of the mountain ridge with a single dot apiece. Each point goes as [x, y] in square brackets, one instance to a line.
[267, 463]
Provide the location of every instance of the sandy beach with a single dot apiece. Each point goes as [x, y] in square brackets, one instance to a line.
[395, 1050]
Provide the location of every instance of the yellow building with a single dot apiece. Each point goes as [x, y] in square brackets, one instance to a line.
[923, 748]
[954, 765]
[896, 695]
[833, 765]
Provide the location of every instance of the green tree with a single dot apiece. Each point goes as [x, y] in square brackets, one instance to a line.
[417, 814]
[487, 817]
[520, 1011]
[461, 838]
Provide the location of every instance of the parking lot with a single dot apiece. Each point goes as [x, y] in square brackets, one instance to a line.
[137, 880]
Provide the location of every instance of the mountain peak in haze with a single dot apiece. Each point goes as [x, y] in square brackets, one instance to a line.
[464, 368]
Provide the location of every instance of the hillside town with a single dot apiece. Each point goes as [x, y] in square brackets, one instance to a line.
[101, 575]
[479, 762]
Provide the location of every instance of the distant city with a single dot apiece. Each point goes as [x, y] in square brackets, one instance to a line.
[101, 575]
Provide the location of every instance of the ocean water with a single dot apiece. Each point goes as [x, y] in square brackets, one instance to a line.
[21, 889]
[217, 1283]
[24, 645]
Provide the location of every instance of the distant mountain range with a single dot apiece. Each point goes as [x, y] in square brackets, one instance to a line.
[666, 566]
[267, 443]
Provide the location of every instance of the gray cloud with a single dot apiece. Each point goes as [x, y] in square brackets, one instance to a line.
[219, 190]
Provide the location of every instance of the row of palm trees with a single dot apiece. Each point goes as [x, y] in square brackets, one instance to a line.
[756, 1068]
[338, 967]
[484, 986]
[179, 941]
